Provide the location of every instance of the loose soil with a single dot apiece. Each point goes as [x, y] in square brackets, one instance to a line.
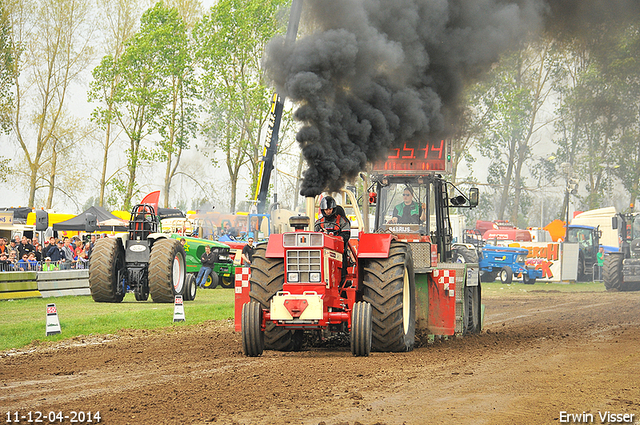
[539, 354]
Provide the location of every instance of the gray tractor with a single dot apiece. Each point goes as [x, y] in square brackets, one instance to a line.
[621, 270]
[143, 260]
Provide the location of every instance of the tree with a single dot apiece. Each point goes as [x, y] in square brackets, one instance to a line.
[119, 22]
[623, 67]
[515, 96]
[176, 123]
[231, 40]
[7, 69]
[597, 82]
[7, 79]
[51, 39]
[141, 92]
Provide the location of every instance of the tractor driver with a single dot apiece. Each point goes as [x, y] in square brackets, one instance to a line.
[408, 211]
[334, 222]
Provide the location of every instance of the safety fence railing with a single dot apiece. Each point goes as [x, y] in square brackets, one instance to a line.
[46, 265]
[55, 283]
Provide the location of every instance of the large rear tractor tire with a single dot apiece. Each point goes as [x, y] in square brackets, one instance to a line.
[167, 270]
[267, 278]
[582, 277]
[361, 329]
[612, 271]
[107, 260]
[389, 286]
[462, 254]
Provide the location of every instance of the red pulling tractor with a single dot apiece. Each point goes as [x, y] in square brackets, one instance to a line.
[399, 277]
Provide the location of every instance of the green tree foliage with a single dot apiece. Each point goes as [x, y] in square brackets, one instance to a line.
[231, 40]
[7, 78]
[7, 69]
[597, 130]
[624, 65]
[118, 19]
[177, 122]
[150, 95]
[54, 38]
[514, 95]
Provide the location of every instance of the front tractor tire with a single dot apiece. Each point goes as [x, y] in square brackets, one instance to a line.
[267, 278]
[612, 271]
[252, 335]
[389, 286]
[361, 332]
[506, 275]
[167, 270]
[190, 287]
[227, 282]
[472, 309]
[107, 261]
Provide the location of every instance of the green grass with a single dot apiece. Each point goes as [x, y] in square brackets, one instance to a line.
[515, 288]
[23, 321]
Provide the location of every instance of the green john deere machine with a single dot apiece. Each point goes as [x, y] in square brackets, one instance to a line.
[224, 270]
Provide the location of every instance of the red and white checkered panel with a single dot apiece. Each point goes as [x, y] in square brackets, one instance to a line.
[242, 294]
[445, 276]
[242, 278]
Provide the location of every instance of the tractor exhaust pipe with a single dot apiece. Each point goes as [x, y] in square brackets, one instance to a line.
[310, 206]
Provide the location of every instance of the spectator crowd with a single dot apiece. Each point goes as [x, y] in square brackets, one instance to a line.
[23, 254]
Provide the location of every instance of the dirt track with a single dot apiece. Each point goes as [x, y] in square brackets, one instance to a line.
[540, 354]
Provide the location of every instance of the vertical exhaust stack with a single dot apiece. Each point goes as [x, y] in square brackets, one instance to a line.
[310, 206]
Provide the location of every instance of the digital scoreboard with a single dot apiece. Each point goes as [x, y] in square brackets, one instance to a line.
[416, 157]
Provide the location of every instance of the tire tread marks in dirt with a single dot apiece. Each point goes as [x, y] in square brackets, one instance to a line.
[103, 271]
[161, 285]
[267, 278]
[383, 283]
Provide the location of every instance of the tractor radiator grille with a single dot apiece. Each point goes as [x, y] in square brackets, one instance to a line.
[421, 255]
[303, 262]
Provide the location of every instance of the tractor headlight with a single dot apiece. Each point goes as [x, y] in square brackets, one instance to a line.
[293, 277]
[314, 277]
[520, 259]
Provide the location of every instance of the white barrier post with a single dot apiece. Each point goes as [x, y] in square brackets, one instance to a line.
[178, 310]
[53, 324]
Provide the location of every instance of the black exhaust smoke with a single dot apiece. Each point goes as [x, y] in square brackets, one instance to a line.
[372, 74]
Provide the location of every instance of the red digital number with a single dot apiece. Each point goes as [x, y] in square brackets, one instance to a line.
[439, 149]
[410, 156]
